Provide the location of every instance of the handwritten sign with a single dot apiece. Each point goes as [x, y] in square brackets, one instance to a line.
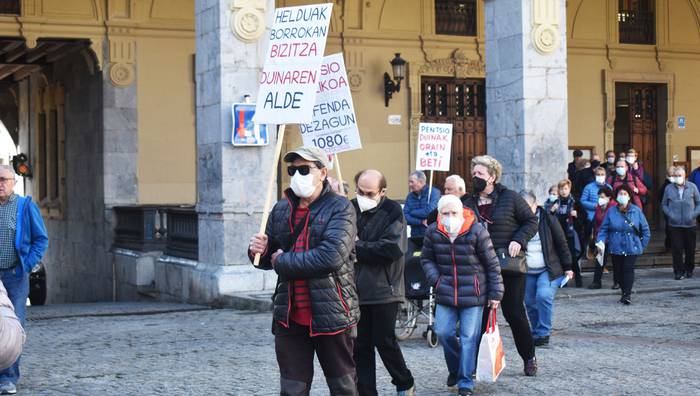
[434, 146]
[334, 126]
[290, 77]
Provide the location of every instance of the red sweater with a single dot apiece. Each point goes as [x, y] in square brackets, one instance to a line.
[301, 299]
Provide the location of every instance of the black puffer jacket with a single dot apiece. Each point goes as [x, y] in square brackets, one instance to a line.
[380, 253]
[555, 249]
[512, 218]
[327, 265]
[466, 272]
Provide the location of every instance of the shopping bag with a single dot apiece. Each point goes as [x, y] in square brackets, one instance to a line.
[491, 360]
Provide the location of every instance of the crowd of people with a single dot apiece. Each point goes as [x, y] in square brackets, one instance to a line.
[340, 262]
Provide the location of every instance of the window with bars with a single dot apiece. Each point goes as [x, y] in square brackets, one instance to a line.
[455, 17]
[454, 98]
[10, 7]
[637, 21]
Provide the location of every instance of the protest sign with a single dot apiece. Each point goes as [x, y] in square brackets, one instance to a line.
[434, 147]
[245, 132]
[290, 76]
[334, 126]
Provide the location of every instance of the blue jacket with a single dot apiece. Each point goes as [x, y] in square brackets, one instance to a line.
[695, 176]
[31, 238]
[620, 236]
[589, 198]
[417, 208]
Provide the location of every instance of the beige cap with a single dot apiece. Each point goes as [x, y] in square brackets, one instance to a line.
[309, 153]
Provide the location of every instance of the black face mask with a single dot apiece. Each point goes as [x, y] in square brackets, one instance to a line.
[478, 184]
[595, 164]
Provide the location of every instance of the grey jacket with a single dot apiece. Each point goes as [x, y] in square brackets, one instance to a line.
[681, 211]
[11, 332]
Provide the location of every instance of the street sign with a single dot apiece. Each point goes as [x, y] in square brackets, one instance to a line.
[245, 132]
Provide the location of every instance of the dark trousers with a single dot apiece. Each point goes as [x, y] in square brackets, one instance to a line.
[574, 260]
[624, 268]
[513, 306]
[376, 330]
[683, 242]
[295, 356]
[598, 274]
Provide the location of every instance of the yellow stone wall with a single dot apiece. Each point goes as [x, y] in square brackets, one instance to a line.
[152, 41]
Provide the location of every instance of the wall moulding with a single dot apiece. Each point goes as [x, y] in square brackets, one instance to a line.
[247, 19]
[545, 25]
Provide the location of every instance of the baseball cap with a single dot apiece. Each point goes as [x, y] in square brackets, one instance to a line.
[309, 153]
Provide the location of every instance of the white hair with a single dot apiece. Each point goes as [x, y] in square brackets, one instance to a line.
[457, 179]
[449, 200]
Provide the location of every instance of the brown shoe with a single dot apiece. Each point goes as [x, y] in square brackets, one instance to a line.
[531, 367]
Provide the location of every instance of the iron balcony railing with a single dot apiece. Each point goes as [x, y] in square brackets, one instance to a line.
[455, 17]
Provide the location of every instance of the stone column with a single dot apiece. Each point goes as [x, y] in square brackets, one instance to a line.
[526, 91]
[231, 181]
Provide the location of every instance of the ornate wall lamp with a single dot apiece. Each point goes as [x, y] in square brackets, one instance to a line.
[398, 67]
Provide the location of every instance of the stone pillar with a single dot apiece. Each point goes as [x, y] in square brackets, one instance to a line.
[526, 91]
[231, 181]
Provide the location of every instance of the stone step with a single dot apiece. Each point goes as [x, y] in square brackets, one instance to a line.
[648, 260]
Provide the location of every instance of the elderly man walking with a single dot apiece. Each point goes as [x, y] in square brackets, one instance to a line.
[380, 245]
[681, 205]
[23, 241]
[11, 332]
[309, 242]
[420, 201]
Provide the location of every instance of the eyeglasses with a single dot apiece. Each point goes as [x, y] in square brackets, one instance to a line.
[303, 169]
[6, 179]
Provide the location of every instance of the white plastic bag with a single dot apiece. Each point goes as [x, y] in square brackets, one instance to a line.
[491, 360]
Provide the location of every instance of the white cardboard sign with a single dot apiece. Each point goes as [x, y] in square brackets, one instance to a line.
[434, 147]
[291, 73]
[334, 126]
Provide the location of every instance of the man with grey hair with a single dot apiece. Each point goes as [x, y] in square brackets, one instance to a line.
[23, 241]
[420, 201]
[681, 205]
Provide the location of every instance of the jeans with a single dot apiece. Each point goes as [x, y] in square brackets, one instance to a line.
[539, 301]
[460, 356]
[18, 291]
[376, 330]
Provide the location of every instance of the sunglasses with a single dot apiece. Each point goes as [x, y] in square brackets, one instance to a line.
[303, 169]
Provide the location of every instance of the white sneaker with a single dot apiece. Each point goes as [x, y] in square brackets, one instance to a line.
[407, 392]
[7, 388]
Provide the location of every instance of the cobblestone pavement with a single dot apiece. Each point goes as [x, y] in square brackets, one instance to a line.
[598, 347]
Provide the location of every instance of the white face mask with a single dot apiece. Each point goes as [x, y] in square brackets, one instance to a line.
[611, 160]
[630, 160]
[600, 179]
[452, 224]
[303, 186]
[671, 179]
[603, 201]
[679, 180]
[366, 204]
[620, 171]
[553, 197]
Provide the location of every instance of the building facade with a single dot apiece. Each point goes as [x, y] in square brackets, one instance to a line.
[123, 108]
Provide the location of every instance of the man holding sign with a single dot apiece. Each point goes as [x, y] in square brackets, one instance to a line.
[310, 243]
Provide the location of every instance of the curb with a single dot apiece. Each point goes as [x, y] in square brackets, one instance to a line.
[617, 292]
[245, 302]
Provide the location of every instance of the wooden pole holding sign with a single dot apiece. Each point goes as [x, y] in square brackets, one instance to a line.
[339, 175]
[430, 186]
[271, 186]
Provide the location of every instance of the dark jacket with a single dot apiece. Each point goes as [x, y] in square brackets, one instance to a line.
[466, 272]
[380, 253]
[418, 207]
[327, 265]
[512, 218]
[555, 249]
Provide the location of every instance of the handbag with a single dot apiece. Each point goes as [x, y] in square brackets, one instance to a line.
[511, 265]
[491, 360]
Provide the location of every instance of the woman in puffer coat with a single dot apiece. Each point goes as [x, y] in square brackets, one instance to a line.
[459, 259]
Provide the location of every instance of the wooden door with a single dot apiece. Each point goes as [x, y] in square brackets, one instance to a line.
[462, 103]
[643, 137]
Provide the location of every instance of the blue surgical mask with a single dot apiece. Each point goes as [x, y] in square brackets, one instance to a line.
[620, 171]
[623, 199]
[553, 197]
